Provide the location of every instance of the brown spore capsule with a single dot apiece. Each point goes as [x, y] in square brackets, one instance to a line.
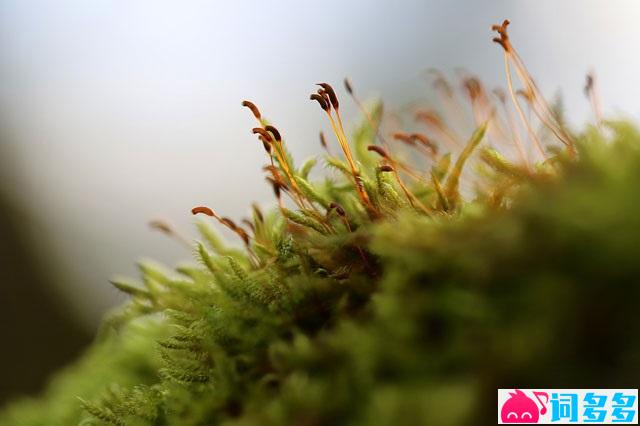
[262, 132]
[203, 210]
[404, 137]
[323, 141]
[379, 150]
[338, 208]
[320, 100]
[332, 95]
[347, 86]
[274, 132]
[254, 109]
[257, 212]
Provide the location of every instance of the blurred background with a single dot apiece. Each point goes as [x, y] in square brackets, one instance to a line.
[113, 113]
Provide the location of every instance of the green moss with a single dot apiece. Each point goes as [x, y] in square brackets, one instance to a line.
[445, 310]
[383, 294]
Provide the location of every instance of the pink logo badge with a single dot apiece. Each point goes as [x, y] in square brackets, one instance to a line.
[519, 408]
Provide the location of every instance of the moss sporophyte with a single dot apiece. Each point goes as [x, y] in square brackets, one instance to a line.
[483, 246]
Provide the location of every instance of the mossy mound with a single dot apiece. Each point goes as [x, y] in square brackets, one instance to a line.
[409, 319]
[396, 291]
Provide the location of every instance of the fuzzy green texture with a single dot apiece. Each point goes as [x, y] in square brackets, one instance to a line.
[411, 319]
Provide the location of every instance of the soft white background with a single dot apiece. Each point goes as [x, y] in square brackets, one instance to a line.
[115, 112]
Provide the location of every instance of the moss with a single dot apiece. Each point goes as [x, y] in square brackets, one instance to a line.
[381, 298]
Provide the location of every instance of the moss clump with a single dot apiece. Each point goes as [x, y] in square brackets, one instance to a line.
[383, 296]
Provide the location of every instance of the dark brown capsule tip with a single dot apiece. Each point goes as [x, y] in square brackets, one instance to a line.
[331, 93]
[257, 212]
[203, 210]
[338, 208]
[323, 141]
[379, 150]
[276, 190]
[274, 172]
[277, 185]
[473, 87]
[386, 168]
[500, 42]
[325, 96]
[589, 80]
[588, 86]
[275, 132]
[403, 137]
[501, 28]
[347, 86]
[254, 109]
[262, 132]
[425, 141]
[321, 101]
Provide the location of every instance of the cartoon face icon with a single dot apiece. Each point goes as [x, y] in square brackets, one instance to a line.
[519, 408]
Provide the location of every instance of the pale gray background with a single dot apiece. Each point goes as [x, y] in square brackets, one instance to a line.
[115, 112]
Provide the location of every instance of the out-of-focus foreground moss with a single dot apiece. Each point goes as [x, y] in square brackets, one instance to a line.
[542, 293]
